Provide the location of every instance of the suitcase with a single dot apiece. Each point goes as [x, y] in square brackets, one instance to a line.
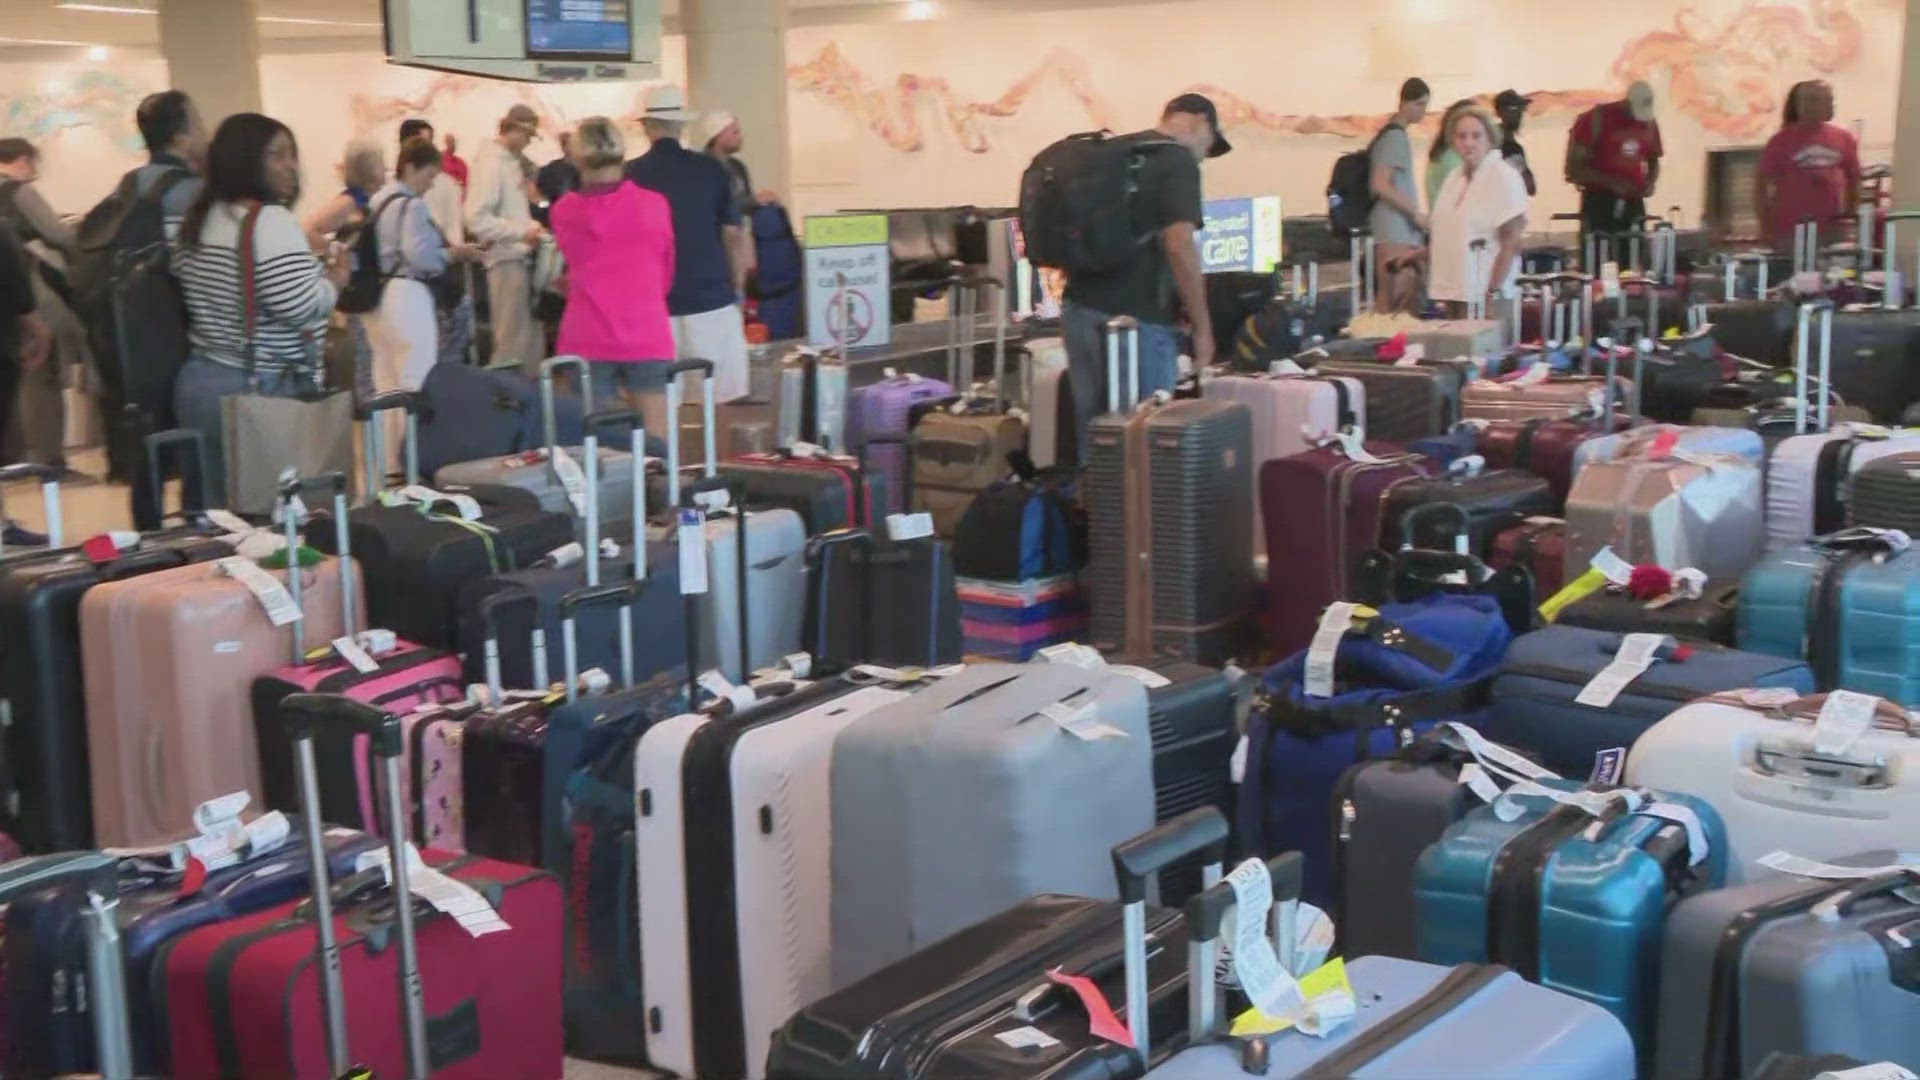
[1572, 891]
[1823, 1067]
[812, 400]
[954, 1006]
[885, 408]
[1287, 411]
[1557, 397]
[872, 600]
[1649, 440]
[828, 491]
[1537, 545]
[1548, 448]
[1701, 512]
[959, 451]
[734, 842]
[1493, 501]
[401, 679]
[1790, 964]
[1886, 494]
[1808, 478]
[1014, 620]
[168, 726]
[605, 1008]
[1321, 510]
[247, 997]
[1444, 450]
[1439, 339]
[1050, 415]
[1409, 402]
[1396, 674]
[1440, 563]
[1022, 528]
[1535, 711]
[1842, 603]
[1708, 617]
[1470, 1022]
[1757, 330]
[1756, 763]
[936, 800]
[1873, 356]
[1168, 491]
[476, 412]
[105, 976]
[44, 771]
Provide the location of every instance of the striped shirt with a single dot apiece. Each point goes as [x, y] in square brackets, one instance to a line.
[292, 296]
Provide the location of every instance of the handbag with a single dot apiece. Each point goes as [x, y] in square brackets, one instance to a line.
[266, 435]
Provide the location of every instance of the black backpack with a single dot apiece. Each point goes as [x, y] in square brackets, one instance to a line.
[1350, 190]
[365, 283]
[1076, 202]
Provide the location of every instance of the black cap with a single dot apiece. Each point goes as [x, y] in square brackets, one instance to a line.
[1510, 99]
[1200, 105]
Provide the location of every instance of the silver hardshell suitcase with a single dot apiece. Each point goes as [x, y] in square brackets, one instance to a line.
[994, 785]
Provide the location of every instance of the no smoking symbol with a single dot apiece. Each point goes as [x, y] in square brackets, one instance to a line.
[856, 309]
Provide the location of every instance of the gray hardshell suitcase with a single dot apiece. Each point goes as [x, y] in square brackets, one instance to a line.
[1413, 1020]
[991, 786]
[1169, 490]
[1406, 402]
[1886, 493]
[1791, 964]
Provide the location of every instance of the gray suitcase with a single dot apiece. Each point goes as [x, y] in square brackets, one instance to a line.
[974, 795]
[1885, 494]
[1794, 965]
[1169, 490]
[532, 470]
[812, 400]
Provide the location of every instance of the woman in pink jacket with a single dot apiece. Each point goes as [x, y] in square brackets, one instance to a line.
[618, 242]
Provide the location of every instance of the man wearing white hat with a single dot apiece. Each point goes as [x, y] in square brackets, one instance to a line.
[709, 268]
[1613, 157]
[499, 217]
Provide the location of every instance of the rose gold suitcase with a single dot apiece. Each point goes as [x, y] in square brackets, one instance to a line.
[1698, 510]
[1557, 397]
[171, 658]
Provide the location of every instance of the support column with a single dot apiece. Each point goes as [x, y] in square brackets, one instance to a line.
[737, 61]
[1906, 117]
[212, 49]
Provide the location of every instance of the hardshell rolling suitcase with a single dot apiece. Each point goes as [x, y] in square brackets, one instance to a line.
[1537, 706]
[1842, 603]
[1469, 1022]
[1572, 891]
[812, 400]
[1667, 440]
[936, 800]
[1756, 760]
[1537, 545]
[1551, 398]
[173, 656]
[1493, 501]
[479, 991]
[1886, 494]
[828, 491]
[1791, 963]
[886, 408]
[1287, 413]
[1405, 403]
[1548, 448]
[98, 873]
[1702, 512]
[1808, 478]
[1169, 502]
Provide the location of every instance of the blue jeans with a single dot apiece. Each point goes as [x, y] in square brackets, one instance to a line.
[610, 377]
[1085, 333]
[197, 392]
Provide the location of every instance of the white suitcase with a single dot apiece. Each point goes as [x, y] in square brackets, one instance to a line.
[1807, 478]
[1288, 410]
[1757, 765]
[1046, 379]
[1742, 443]
[737, 929]
[776, 592]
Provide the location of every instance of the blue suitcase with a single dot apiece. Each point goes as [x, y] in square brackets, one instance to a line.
[1534, 709]
[475, 412]
[1469, 1022]
[1846, 605]
[1570, 894]
[1414, 666]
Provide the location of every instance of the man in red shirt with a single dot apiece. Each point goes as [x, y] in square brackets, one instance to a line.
[1810, 168]
[453, 164]
[1613, 157]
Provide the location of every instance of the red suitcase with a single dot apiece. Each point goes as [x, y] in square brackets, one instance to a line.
[243, 999]
[1321, 510]
[1543, 447]
[1539, 545]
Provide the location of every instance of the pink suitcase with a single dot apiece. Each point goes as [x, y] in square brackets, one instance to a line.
[171, 658]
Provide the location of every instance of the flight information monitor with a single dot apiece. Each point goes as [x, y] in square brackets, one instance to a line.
[564, 29]
[529, 40]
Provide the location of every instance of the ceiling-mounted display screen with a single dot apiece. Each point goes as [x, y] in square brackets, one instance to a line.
[578, 28]
[528, 40]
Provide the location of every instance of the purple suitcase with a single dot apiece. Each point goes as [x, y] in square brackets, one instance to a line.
[885, 408]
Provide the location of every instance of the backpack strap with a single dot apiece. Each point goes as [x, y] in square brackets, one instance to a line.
[243, 251]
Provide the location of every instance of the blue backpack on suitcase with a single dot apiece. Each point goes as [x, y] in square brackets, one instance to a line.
[1395, 676]
[1844, 603]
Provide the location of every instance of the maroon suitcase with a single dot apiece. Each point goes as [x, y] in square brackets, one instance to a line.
[1539, 545]
[1321, 510]
[243, 998]
[1543, 447]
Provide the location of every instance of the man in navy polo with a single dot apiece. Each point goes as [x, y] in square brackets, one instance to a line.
[709, 267]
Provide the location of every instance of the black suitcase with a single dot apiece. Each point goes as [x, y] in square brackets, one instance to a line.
[1233, 297]
[1191, 720]
[1492, 501]
[1874, 357]
[1708, 617]
[1407, 402]
[1757, 330]
[1885, 494]
[940, 1012]
[828, 492]
[872, 600]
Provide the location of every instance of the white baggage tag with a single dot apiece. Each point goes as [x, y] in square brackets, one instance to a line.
[1237, 764]
[228, 521]
[1152, 680]
[693, 553]
[1610, 280]
[378, 642]
[909, 526]
[571, 478]
[594, 681]
[353, 654]
[1081, 722]
[1286, 368]
[1334, 624]
[1765, 697]
[1636, 655]
[1612, 567]
[447, 895]
[1684, 817]
[1474, 778]
[267, 832]
[566, 554]
[1021, 1038]
[1885, 1070]
[1844, 717]
[1415, 352]
[799, 663]
[1270, 987]
[1788, 863]
[273, 596]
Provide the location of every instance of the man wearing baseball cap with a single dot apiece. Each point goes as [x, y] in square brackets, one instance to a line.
[1511, 107]
[1166, 208]
[499, 216]
[1613, 157]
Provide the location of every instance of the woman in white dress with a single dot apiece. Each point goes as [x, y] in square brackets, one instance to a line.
[1483, 200]
[404, 330]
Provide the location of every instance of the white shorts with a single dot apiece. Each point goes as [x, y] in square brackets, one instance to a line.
[720, 336]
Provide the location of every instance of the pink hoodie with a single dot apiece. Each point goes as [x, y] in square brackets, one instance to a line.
[618, 242]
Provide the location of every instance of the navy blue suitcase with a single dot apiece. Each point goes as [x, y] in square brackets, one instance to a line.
[474, 412]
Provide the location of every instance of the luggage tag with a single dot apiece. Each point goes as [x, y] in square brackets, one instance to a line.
[693, 553]
[1688, 584]
[1269, 986]
[902, 527]
[1334, 624]
[572, 478]
[1080, 722]
[447, 895]
[273, 596]
[108, 546]
[1637, 654]
[1101, 1020]
[1415, 352]
[1789, 863]
[1844, 717]
[1347, 442]
[1535, 374]
[355, 655]
[1285, 369]
[1610, 280]
[1885, 1070]
[722, 688]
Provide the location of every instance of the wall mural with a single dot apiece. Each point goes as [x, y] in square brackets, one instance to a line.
[90, 99]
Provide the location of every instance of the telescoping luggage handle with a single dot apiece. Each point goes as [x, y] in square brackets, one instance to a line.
[1206, 917]
[1312, 274]
[490, 606]
[306, 713]
[99, 874]
[549, 419]
[334, 483]
[691, 500]
[1893, 292]
[49, 477]
[196, 445]
[1632, 333]
[964, 291]
[1803, 358]
[590, 447]
[1360, 252]
[708, 436]
[373, 438]
[1201, 831]
[1124, 326]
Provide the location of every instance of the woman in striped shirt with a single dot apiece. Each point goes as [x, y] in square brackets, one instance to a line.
[271, 345]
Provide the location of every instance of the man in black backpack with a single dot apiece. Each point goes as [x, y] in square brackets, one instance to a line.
[1165, 267]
